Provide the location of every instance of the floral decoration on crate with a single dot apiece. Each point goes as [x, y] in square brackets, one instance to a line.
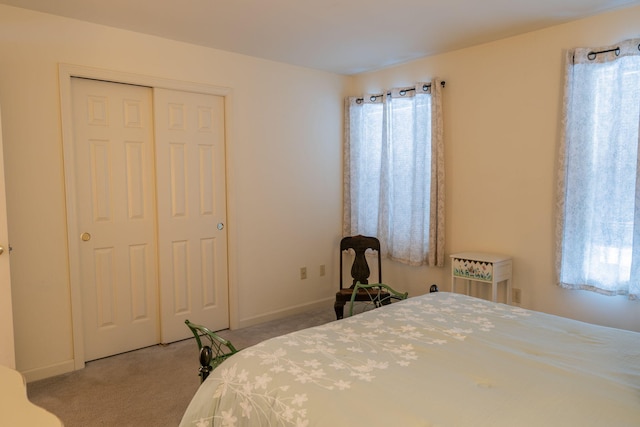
[473, 269]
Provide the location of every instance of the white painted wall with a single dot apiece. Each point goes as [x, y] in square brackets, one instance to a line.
[502, 106]
[284, 167]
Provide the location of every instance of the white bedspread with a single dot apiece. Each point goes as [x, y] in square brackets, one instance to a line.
[440, 359]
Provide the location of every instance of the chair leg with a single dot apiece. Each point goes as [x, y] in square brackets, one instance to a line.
[339, 308]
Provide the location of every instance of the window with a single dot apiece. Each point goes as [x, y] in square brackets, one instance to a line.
[599, 196]
[394, 172]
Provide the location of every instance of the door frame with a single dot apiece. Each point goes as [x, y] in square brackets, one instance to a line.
[7, 342]
[65, 73]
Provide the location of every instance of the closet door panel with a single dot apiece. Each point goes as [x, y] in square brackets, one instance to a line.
[191, 194]
[115, 223]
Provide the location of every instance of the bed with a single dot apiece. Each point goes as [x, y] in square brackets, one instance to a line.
[440, 359]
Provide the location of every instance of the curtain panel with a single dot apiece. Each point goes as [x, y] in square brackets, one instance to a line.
[394, 172]
[598, 220]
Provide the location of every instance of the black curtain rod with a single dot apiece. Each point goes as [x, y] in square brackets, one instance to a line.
[402, 92]
[592, 55]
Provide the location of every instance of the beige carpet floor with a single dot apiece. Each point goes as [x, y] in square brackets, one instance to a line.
[147, 387]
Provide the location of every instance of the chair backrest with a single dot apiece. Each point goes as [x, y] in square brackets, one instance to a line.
[360, 271]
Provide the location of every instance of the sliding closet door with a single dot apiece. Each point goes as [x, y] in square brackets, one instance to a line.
[116, 216]
[191, 196]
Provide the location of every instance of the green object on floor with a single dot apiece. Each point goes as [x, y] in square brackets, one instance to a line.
[213, 348]
[379, 294]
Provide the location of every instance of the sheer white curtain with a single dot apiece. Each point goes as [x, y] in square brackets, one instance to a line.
[394, 172]
[599, 193]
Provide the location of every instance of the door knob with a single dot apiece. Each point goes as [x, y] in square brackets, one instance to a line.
[220, 226]
[85, 237]
[1, 250]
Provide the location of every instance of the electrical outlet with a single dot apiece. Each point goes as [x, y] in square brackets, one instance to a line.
[303, 273]
[322, 270]
[517, 296]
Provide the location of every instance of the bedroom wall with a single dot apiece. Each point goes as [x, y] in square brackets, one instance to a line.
[284, 172]
[502, 106]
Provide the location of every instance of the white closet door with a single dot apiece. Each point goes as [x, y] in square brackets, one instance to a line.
[191, 195]
[116, 216]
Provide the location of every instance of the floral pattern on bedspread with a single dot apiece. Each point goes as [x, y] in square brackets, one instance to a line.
[338, 355]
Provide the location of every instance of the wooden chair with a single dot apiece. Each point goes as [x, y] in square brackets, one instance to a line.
[360, 271]
[379, 294]
[214, 350]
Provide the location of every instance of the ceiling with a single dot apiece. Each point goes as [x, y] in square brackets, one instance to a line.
[339, 36]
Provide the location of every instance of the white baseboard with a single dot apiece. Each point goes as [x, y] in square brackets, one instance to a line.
[290, 311]
[48, 371]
